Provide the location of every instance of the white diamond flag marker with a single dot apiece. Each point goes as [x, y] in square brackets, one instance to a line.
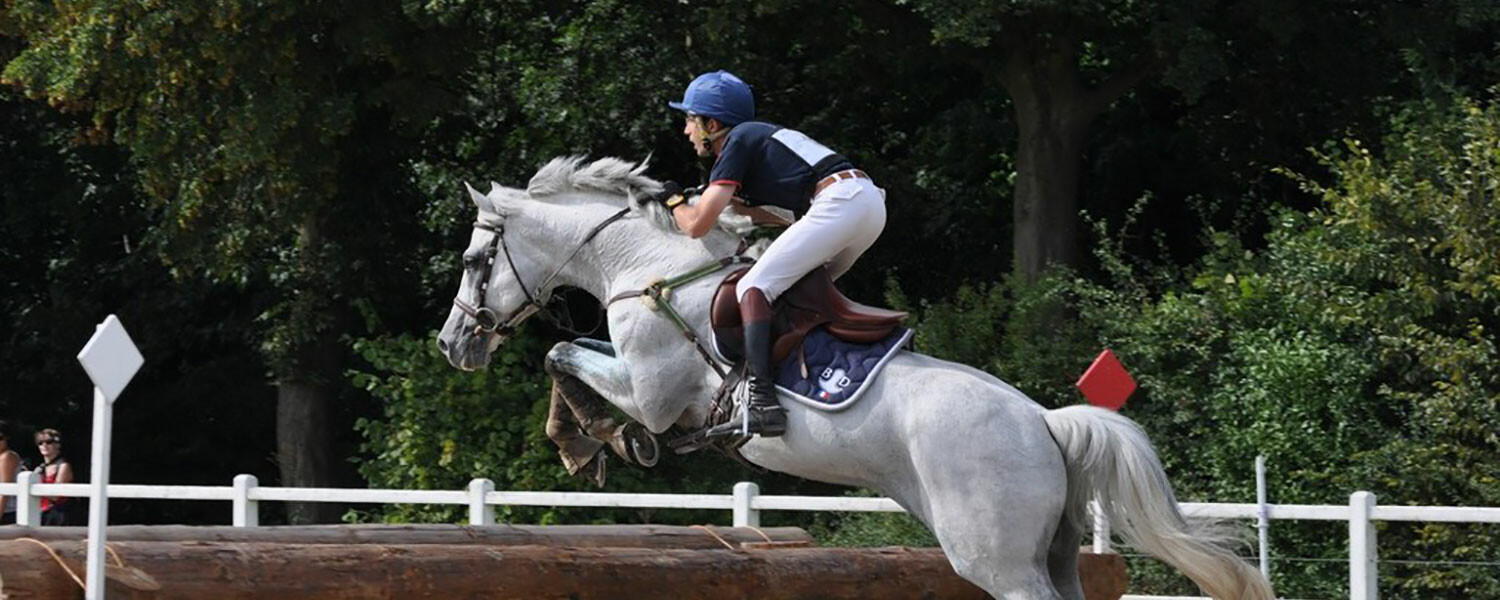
[110, 358]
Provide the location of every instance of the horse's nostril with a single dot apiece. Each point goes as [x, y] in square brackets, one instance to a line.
[442, 346]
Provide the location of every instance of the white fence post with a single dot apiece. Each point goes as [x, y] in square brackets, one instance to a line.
[745, 493]
[246, 511]
[28, 506]
[1263, 517]
[1362, 552]
[480, 513]
[1101, 527]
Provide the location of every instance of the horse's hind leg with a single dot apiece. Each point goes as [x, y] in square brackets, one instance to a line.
[1062, 560]
[995, 509]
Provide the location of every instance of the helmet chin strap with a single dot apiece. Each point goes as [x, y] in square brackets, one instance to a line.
[709, 138]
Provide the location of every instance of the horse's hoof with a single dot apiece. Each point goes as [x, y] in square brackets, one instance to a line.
[644, 450]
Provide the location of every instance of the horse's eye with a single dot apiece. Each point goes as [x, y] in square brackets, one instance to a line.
[471, 261]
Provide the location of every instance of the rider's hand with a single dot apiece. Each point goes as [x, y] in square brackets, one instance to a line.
[669, 190]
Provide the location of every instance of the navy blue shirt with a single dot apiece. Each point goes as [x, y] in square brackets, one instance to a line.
[774, 165]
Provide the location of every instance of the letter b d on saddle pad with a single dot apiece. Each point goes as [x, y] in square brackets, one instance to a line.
[825, 346]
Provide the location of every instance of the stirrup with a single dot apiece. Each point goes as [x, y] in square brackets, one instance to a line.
[765, 422]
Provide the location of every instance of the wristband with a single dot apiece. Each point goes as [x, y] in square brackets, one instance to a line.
[675, 201]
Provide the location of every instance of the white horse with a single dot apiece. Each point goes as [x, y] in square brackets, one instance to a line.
[1001, 481]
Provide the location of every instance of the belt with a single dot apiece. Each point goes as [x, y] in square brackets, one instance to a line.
[839, 176]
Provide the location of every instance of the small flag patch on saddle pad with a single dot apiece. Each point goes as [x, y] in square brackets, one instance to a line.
[829, 373]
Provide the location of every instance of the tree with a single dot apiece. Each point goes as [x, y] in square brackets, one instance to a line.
[71, 250]
[270, 139]
[1354, 350]
[1063, 64]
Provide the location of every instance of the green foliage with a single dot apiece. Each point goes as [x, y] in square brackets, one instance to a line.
[874, 530]
[441, 427]
[297, 168]
[71, 254]
[1431, 207]
[1011, 329]
[243, 123]
[1352, 351]
[1355, 351]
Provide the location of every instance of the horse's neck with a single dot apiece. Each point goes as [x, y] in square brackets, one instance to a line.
[651, 254]
[628, 255]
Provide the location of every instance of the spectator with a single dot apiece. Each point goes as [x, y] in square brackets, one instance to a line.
[10, 465]
[54, 469]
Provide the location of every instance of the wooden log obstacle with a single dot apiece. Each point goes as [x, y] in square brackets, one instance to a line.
[578, 536]
[509, 562]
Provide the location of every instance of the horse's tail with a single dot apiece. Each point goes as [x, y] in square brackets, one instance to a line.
[1108, 456]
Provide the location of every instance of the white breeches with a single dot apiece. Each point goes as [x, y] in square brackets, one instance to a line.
[843, 221]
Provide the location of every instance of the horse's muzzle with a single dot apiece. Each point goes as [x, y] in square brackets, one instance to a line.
[468, 348]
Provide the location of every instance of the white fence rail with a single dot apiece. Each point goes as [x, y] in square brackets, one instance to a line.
[745, 503]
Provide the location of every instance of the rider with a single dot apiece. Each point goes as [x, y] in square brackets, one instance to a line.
[838, 209]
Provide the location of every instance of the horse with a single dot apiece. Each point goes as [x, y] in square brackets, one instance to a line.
[1002, 482]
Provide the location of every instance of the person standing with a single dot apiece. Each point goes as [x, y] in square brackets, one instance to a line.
[10, 466]
[54, 469]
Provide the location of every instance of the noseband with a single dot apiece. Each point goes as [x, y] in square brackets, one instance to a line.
[485, 318]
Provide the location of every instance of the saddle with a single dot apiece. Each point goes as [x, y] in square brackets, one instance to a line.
[811, 302]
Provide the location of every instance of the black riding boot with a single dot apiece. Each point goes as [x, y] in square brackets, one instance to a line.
[767, 418]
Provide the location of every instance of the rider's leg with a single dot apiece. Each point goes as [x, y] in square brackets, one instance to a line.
[872, 217]
[766, 417]
[842, 222]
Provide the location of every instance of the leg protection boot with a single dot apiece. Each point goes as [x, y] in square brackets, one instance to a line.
[581, 454]
[630, 441]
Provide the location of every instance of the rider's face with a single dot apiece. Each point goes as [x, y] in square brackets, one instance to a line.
[697, 136]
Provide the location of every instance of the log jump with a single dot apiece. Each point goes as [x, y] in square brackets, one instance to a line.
[506, 562]
[578, 536]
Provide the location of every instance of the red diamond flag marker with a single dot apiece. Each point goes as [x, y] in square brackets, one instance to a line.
[1106, 384]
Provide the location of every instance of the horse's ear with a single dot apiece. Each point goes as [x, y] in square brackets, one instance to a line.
[494, 187]
[480, 200]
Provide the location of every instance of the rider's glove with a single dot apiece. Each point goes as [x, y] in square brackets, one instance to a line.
[670, 195]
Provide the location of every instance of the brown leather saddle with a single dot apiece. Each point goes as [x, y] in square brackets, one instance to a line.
[811, 302]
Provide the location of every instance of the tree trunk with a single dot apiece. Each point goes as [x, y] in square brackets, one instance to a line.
[303, 450]
[304, 440]
[1042, 78]
[1053, 113]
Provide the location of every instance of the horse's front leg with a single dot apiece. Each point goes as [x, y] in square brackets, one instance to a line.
[578, 450]
[586, 374]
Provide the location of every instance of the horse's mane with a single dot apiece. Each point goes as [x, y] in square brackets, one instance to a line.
[611, 175]
[615, 177]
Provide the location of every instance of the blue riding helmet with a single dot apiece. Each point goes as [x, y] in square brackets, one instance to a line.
[718, 95]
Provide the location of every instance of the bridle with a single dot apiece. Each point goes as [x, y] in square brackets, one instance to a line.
[485, 318]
